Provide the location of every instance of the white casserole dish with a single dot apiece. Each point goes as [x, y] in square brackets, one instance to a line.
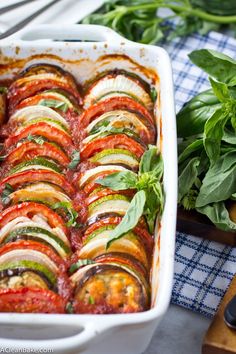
[100, 334]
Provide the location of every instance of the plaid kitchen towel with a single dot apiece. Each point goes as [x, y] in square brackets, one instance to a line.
[203, 269]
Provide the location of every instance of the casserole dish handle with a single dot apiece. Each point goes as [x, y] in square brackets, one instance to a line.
[71, 32]
[78, 334]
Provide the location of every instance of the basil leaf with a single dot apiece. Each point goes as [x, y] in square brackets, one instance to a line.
[220, 90]
[188, 177]
[154, 204]
[75, 160]
[119, 180]
[151, 161]
[192, 117]
[218, 65]
[69, 307]
[213, 133]
[219, 182]
[79, 264]
[233, 196]
[195, 147]
[91, 300]
[229, 137]
[8, 189]
[70, 212]
[219, 216]
[36, 139]
[152, 34]
[3, 89]
[109, 129]
[63, 106]
[99, 127]
[130, 219]
[153, 94]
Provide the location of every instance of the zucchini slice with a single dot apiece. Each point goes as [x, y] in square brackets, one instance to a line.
[16, 255]
[39, 192]
[36, 163]
[114, 203]
[27, 114]
[117, 157]
[121, 119]
[41, 235]
[95, 245]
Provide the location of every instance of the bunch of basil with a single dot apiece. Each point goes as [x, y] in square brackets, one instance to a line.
[207, 151]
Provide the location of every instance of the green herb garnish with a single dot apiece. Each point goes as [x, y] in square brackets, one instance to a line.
[148, 200]
[75, 160]
[141, 20]
[36, 139]
[3, 89]
[70, 212]
[63, 106]
[79, 264]
[69, 308]
[8, 189]
[207, 152]
[91, 300]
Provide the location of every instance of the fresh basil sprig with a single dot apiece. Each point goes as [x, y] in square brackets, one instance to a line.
[36, 139]
[8, 189]
[207, 152]
[3, 89]
[148, 200]
[142, 21]
[75, 160]
[63, 106]
[70, 212]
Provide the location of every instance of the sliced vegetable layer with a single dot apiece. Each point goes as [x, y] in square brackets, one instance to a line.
[80, 193]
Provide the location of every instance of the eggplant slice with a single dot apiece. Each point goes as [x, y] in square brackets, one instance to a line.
[106, 288]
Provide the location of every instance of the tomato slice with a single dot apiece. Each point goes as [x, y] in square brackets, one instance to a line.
[30, 176]
[16, 94]
[112, 104]
[33, 245]
[29, 209]
[43, 129]
[111, 142]
[91, 184]
[104, 192]
[25, 300]
[28, 150]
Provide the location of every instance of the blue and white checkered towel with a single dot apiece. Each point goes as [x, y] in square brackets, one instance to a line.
[203, 269]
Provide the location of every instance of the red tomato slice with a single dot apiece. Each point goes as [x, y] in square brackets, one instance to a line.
[29, 209]
[139, 230]
[25, 300]
[46, 130]
[28, 150]
[33, 245]
[104, 192]
[17, 94]
[30, 176]
[91, 184]
[112, 104]
[121, 141]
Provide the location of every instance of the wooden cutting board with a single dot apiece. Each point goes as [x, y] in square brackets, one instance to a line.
[220, 339]
[193, 223]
